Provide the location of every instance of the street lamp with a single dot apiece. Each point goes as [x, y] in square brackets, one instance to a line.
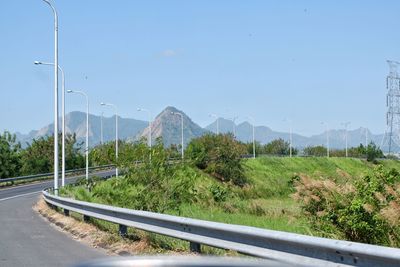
[254, 140]
[234, 125]
[217, 118]
[180, 114]
[55, 96]
[149, 114]
[101, 128]
[62, 117]
[87, 129]
[116, 133]
[327, 138]
[290, 137]
[345, 128]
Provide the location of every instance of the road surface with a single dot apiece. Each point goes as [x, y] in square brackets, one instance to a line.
[27, 240]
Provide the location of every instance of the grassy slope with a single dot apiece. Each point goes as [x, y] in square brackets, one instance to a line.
[266, 202]
[270, 191]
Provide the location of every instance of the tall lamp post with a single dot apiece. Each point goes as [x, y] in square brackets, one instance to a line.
[101, 128]
[234, 125]
[116, 133]
[254, 140]
[87, 129]
[150, 119]
[290, 137]
[327, 138]
[345, 124]
[62, 117]
[180, 114]
[55, 96]
[217, 118]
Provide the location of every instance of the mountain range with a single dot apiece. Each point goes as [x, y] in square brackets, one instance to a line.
[167, 125]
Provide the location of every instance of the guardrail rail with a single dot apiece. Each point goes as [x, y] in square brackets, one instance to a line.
[295, 249]
[44, 175]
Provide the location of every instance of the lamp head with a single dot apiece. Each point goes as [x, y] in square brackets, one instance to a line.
[139, 109]
[102, 103]
[69, 91]
[37, 62]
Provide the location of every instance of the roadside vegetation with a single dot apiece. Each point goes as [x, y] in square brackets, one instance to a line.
[37, 157]
[215, 183]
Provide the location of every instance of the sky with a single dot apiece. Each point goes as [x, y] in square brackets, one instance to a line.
[304, 61]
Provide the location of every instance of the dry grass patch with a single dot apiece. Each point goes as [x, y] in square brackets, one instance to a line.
[91, 235]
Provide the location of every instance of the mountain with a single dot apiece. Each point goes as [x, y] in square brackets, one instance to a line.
[263, 134]
[168, 126]
[75, 122]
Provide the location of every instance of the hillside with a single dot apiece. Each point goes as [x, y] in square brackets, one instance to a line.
[168, 126]
[75, 122]
[265, 202]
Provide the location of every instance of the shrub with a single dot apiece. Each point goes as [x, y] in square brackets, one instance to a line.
[220, 156]
[317, 151]
[367, 210]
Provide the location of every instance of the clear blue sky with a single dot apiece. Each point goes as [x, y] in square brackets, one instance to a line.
[310, 61]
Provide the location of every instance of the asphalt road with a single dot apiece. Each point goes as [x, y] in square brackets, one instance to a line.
[27, 240]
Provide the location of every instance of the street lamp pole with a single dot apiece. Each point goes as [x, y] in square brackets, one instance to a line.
[217, 118]
[234, 125]
[254, 140]
[345, 129]
[116, 133]
[87, 129]
[180, 114]
[101, 128]
[327, 139]
[150, 121]
[62, 118]
[55, 96]
[290, 137]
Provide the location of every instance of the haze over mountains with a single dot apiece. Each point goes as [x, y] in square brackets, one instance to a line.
[168, 126]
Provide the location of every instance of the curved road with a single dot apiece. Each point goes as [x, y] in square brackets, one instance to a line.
[27, 240]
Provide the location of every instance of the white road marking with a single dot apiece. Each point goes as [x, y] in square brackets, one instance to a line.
[22, 195]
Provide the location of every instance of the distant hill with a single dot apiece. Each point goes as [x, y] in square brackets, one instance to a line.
[75, 122]
[168, 126]
[263, 134]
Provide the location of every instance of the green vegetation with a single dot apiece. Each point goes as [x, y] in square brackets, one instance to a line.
[218, 155]
[9, 155]
[263, 198]
[37, 157]
[277, 147]
[366, 209]
[370, 152]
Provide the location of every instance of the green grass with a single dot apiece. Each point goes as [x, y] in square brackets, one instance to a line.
[265, 202]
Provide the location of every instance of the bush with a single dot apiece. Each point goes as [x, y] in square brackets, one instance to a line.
[218, 155]
[10, 155]
[367, 210]
[317, 151]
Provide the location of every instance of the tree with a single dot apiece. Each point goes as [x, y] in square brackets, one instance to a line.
[373, 152]
[279, 147]
[218, 155]
[318, 151]
[38, 157]
[10, 155]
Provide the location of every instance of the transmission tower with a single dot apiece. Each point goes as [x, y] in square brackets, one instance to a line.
[392, 134]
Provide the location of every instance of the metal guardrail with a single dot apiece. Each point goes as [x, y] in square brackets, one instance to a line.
[180, 261]
[284, 247]
[43, 175]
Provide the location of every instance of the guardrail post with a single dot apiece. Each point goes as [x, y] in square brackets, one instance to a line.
[86, 218]
[195, 247]
[66, 212]
[123, 230]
